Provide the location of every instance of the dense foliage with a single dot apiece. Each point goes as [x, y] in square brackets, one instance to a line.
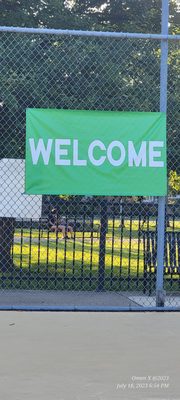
[76, 72]
[174, 183]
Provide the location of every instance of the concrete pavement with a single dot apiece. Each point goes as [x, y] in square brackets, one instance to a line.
[89, 356]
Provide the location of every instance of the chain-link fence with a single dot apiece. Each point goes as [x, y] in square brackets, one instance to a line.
[77, 251]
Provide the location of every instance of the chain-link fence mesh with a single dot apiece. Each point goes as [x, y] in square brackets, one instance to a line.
[99, 251]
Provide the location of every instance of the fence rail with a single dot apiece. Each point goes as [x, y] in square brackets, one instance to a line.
[71, 32]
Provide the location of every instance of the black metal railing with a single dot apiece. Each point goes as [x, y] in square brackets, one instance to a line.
[106, 251]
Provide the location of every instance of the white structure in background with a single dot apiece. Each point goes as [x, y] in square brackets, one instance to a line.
[150, 199]
[13, 202]
[178, 5]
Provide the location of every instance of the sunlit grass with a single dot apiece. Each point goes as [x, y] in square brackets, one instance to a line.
[53, 260]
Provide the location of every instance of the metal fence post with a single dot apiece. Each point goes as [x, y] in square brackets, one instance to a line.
[102, 244]
[162, 200]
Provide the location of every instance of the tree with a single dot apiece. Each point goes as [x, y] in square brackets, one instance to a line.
[116, 15]
[123, 15]
[174, 183]
[7, 227]
[41, 13]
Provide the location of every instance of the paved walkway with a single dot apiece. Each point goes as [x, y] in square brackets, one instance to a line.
[65, 298]
[89, 356]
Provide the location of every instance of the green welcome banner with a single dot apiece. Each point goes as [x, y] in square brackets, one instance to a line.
[81, 152]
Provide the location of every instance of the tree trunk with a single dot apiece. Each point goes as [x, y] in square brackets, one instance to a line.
[7, 227]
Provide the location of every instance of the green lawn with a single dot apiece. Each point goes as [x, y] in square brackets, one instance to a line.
[49, 262]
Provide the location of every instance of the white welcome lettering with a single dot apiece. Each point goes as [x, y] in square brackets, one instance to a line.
[134, 158]
[76, 160]
[121, 159]
[154, 154]
[40, 149]
[96, 143]
[61, 152]
[66, 152]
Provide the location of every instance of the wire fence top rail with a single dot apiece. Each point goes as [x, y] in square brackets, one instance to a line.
[71, 32]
